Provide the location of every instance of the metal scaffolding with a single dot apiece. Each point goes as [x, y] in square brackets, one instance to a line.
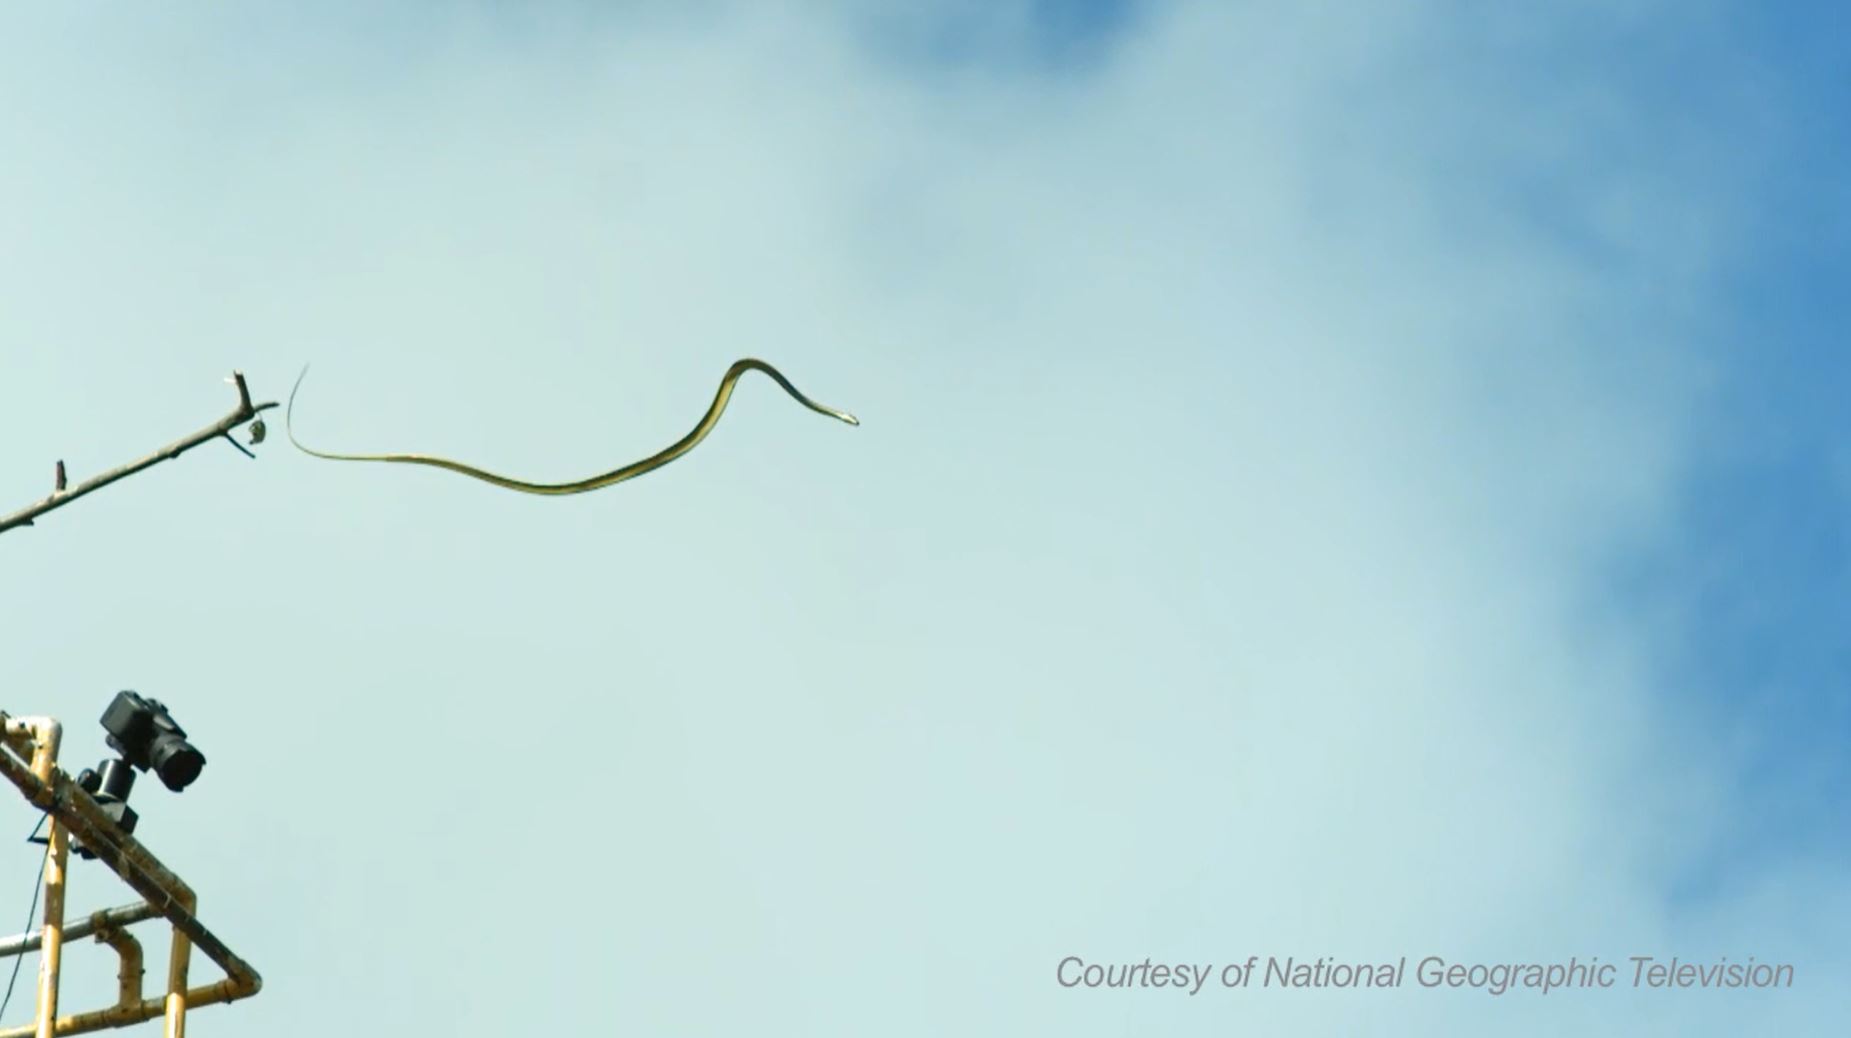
[29, 759]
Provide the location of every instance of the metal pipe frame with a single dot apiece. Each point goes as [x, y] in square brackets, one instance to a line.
[29, 761]
[96, 922]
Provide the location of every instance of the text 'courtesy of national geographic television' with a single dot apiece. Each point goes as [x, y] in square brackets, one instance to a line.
[1432, 972]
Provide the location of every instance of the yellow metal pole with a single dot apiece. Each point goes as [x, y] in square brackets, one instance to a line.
[128, 975]
[47, 734]
[176, 968]
[51, 949]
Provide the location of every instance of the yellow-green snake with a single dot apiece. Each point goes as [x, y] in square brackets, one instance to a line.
[630, 471]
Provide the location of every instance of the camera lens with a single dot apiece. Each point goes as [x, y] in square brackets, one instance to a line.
[176, 762]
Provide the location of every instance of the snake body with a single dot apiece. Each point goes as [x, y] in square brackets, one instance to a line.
[618, 475]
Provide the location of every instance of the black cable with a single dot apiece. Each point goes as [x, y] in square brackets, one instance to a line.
[37, 885]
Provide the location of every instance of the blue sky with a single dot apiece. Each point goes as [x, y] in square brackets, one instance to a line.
[1758, 567]
[1331, 484]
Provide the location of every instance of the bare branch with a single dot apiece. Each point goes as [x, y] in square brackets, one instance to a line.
[61, 496]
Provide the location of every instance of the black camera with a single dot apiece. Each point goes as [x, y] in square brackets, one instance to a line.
[146, 735]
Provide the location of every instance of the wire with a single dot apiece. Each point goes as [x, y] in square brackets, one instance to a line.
[37, 885]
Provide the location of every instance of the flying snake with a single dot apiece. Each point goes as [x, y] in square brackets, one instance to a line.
[630, 471]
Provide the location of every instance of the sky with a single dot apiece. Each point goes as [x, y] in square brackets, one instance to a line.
[1332, 483]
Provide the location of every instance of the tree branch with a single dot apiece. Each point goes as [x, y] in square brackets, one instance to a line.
[61, 496]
